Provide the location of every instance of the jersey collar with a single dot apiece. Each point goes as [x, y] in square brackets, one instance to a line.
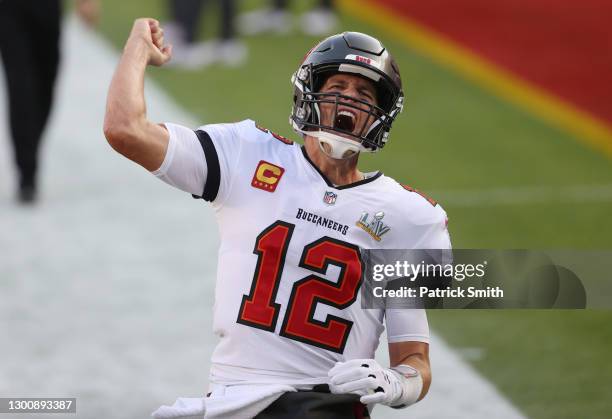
[330, 184]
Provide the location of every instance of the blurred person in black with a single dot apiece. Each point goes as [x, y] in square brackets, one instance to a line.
[29, 46]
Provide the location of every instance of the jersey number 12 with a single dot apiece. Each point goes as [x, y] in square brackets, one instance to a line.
[258, 308]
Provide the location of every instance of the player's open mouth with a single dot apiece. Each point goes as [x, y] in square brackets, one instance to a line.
[345, 121]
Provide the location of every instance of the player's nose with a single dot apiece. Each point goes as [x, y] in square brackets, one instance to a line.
[352, 94]
[354, 90]
[351, 91]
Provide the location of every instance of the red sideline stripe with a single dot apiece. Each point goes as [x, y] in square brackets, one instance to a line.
[563, 46]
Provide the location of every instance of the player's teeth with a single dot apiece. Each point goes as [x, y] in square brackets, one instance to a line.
[345, 113]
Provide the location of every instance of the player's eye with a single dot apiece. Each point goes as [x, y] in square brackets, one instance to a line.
[366, 94]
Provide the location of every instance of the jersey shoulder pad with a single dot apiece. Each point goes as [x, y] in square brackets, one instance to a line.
[408, 188]
[274, 135]
[417, 206]
[245, 133]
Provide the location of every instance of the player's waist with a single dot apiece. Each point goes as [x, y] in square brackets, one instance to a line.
[232, 375]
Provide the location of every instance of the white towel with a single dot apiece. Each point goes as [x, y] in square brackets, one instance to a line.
[236, 402]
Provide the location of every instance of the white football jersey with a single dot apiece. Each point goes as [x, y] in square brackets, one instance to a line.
[287, 301]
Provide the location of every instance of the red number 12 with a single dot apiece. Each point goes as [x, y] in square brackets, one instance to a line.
[258, 308]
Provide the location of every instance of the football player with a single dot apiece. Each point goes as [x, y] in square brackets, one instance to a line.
[294, 340]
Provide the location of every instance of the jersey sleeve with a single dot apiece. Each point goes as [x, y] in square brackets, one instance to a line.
[184, 165]
[202, 161]
[406, 325]
[430, 228]
[437, 236]
[222, 145]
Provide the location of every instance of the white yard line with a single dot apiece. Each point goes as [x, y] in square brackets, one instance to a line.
[106, 287]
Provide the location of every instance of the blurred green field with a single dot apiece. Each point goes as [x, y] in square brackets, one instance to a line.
[452, 136]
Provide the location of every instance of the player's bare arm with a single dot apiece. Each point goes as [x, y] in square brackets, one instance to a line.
[416, 355]
[126, 126]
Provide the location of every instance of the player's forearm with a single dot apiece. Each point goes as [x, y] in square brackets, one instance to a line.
[126, 126]
[422, 367]
[413, 354]
[125, 106]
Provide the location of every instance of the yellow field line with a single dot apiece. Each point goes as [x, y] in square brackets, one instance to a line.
[556, 111]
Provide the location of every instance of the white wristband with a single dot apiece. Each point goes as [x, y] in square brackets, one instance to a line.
[411, 384]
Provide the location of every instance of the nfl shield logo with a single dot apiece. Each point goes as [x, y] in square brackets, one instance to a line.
[330, 198]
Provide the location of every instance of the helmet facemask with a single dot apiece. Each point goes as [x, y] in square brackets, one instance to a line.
[346, 130]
